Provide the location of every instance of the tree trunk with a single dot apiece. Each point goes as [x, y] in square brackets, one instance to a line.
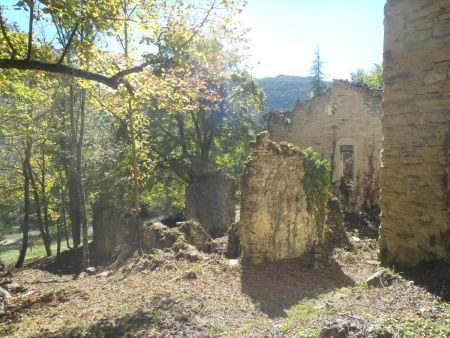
[45, 200]
[58, 233]
[73, 186]
[135, 174]
[63, 215]
[134, 165]
[26, 202]
[38, 212]
[84, 224]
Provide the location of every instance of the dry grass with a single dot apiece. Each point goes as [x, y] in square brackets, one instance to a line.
[214, 298]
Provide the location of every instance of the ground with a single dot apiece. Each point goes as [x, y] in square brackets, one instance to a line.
[165, 295]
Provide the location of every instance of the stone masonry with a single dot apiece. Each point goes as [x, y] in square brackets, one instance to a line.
[415, 198]
[211, 199]
[274, 223]
[113, 226]
[346, 116]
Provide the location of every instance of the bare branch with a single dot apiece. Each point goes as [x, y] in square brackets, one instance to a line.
[188, 41]
[69, 42]
[5, 35]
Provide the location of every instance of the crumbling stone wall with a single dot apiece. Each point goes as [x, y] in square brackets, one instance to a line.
[113, 226]
[274, 223]
[415, 197]
[346, 114]
[210, 199]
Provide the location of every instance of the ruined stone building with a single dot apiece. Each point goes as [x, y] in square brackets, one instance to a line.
[415, 198]
[211, 199]
[274, 221]
[344, 126]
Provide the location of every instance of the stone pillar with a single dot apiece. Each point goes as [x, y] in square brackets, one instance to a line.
[274, 222]
[210, 199]
[112, 227]
[415, 198]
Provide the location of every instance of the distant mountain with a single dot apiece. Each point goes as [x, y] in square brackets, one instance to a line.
[283, 91]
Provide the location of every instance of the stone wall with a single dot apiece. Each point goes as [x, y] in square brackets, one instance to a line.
[415, 198]
[211, 199]
[274, 223]
[347, 114]
[113, 226]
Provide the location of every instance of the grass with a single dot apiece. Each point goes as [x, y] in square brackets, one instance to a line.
[10, 256]
[221, 302]
[10, 244]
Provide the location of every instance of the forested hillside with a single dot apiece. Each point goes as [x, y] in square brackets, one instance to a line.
[283, 90]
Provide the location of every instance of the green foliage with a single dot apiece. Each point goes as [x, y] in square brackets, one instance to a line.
[301, 311]
[317, 187]
[316, 182]
[372, 78]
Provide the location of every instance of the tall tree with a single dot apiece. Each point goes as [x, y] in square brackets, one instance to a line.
[318, 85]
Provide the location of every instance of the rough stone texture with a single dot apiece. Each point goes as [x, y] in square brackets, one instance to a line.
[346, 114]
[113, 226]
[196, 235]
[159, 236]
[189, 233]
[274, 223]
[210, 199]
[415, 199]
[234, 242]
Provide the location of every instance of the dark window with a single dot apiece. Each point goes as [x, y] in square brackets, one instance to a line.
[348, 160]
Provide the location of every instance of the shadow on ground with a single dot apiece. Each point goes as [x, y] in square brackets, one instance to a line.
[433, 276]
[69, 262]
[281, 285]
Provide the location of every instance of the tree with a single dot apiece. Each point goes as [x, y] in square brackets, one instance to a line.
[318, 85]
[203, 119]
[372, 78]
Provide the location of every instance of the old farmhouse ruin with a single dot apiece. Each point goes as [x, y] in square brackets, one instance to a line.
[344, 126]
[401, 145]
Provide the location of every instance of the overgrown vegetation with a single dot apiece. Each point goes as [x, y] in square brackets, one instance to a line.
[317, 187]
[132, 124]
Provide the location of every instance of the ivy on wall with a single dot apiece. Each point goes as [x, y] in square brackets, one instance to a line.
[317, 187]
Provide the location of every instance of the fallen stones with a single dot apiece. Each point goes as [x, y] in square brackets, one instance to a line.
[195, 235]
[16, 288]
[355, 328]
[381, 278]
[91, 270]
[83, 275]
[4, 294]
[159, 236]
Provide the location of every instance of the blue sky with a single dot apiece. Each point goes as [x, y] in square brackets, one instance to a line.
[285, 33]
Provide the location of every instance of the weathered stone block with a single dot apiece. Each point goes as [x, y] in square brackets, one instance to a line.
[211, 199]
[415, 198]
[113, 226]
[274, 222]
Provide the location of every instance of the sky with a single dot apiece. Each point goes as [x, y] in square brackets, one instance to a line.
[285, 33]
